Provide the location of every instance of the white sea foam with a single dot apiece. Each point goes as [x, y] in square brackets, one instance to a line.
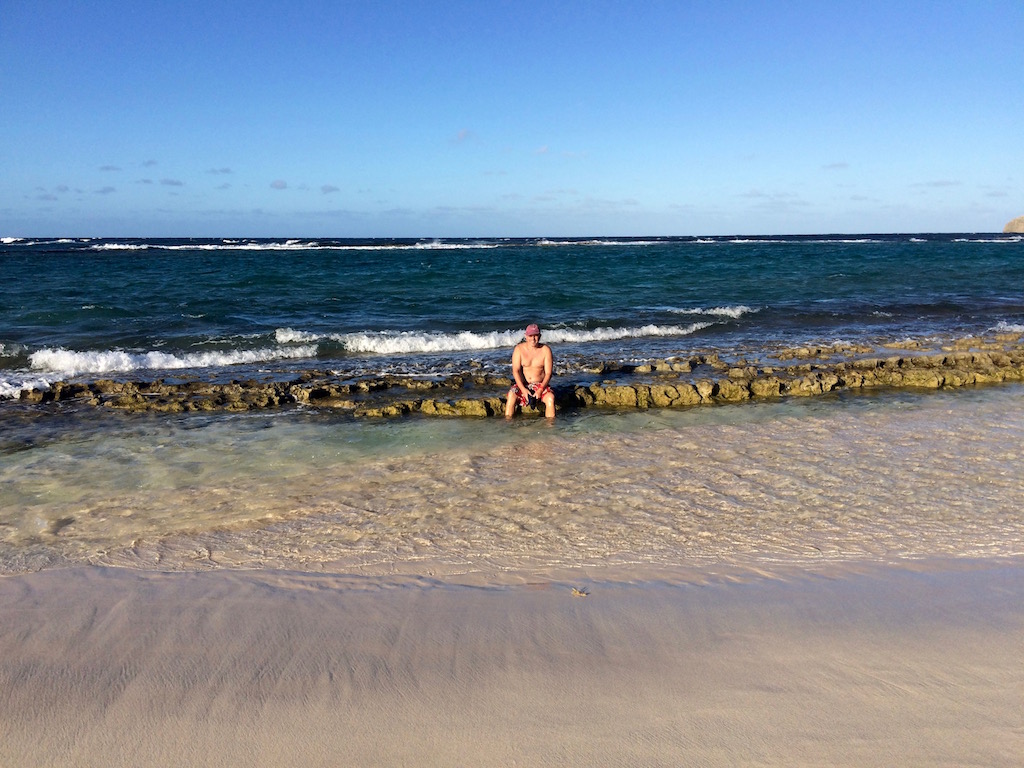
[997, 239]
[733, 312]
[290, 336]
[394, 343]
[67, 362]
[597, 242]
[611, 334]
[1004, 327]
[443, 245]
[12, 387]
[291, 245]
[409, 342]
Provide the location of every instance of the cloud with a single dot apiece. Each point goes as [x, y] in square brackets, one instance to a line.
[279, 184]
[62, 188]
[835, 166]
[105, 191]
[144, 181]
[220, 171]
[46, 197]
[463, 136]
[541, 150]
[937, 183]
[172, 183]
[149, 163]
[328, 189]
[225, 185]
[109, 168]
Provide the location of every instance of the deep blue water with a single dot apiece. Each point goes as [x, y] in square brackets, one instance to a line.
[96, 308]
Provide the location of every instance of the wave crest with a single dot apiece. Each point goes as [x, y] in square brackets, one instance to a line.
[409, 342]
[68, 362]
[733, 312]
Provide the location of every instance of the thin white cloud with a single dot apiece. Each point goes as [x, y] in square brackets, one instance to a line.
[279, 184]
[328, 189]
[108, 168]
[220, 171]
[172, 183]
[105, 190]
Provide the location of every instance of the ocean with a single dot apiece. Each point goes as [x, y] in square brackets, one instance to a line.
[767, 485]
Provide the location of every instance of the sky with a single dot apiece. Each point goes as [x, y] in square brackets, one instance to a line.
[516, 119]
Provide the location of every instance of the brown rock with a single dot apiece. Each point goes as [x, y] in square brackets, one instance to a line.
[468, 407]
[1015, 226]
[663, 395]
[620, 396]
[768, 386]
[729, 391]
[705, 388]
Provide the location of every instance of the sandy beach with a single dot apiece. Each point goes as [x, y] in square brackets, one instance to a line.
[912, 665]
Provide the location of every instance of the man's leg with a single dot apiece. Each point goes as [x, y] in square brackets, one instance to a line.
[510, 404]
[549, 404]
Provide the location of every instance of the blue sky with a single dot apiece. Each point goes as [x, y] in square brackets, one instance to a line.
[435, 119]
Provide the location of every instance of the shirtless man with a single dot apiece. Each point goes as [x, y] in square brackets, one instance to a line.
[532, 364]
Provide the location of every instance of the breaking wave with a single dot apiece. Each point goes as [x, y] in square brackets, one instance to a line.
[413, 342]
[733, 312]
[68, 362]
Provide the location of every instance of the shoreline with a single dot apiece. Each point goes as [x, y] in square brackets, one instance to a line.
[916, 664]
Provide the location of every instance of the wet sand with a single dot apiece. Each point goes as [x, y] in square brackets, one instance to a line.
[907, 665]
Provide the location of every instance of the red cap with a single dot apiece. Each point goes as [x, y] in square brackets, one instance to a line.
[532, 330]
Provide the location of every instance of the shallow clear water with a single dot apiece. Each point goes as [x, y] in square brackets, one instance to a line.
[835, 479]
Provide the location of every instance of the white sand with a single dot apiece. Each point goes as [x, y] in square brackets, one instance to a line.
[883, 667]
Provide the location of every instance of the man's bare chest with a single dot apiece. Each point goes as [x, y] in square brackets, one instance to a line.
[532, 358]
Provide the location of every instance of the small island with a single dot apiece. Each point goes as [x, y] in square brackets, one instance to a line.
[1015, 227]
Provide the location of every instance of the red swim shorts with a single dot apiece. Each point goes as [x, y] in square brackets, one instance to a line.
[533, 396]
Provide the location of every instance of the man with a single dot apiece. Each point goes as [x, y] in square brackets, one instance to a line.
[532, 364]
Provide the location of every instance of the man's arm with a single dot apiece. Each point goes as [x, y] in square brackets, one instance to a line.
[517, 369]
[549, 366]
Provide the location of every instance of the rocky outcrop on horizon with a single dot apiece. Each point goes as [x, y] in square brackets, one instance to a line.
[1015, 227]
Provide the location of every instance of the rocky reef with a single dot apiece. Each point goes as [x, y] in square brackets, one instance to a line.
[699, 379]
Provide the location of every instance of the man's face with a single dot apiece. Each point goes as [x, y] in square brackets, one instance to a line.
[534, 339]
